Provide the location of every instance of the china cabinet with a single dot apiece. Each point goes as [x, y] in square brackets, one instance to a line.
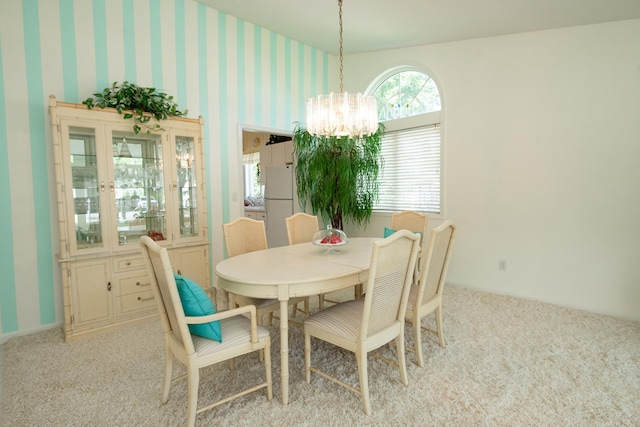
[114, 186]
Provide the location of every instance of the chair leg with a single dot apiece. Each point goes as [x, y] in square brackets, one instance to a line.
[364, 381]
[307, 310]
[358, 291]
[320, 301]
[168, 373]
[193, 379]
[439, 325]
[307, 357]
[417, 337]
[260, 322]
[402, 361]
[267, 367]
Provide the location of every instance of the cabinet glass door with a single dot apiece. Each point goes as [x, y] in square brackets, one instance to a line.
[187, 186]
[138, 176]
[85, 190]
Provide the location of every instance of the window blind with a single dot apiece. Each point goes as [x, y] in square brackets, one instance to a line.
[410, 177]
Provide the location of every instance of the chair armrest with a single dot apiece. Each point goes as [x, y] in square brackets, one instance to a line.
[250, 309]
[225, 314]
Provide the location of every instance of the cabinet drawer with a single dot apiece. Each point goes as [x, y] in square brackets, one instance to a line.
[136, 302]
[130, 285]
[129, 263]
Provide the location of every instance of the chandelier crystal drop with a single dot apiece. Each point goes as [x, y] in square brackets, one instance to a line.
[342, 114]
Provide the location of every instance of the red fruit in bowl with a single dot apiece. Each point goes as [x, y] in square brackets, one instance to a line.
[325, 240]
[335, 239]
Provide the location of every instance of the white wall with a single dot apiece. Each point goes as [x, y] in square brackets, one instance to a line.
[541, 151]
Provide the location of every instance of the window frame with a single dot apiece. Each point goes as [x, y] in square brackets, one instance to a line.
[419, 120]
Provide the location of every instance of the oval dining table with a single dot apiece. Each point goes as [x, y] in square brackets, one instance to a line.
[292, 271]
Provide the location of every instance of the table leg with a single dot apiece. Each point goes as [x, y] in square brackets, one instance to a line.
[284, 351]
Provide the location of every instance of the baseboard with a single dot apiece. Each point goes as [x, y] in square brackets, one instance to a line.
[6, 337]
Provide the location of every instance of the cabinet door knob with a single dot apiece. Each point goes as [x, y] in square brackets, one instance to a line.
[145, 299]
[142, 284]
[109, 286]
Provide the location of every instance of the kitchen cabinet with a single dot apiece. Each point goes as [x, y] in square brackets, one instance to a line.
[257, 214]
[114, 186]
[279, 154]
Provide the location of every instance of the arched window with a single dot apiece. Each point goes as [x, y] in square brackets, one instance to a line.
[406, 94]
[409, 105]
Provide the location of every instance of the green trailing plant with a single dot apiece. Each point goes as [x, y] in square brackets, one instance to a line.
[338, 175]
[138, 103]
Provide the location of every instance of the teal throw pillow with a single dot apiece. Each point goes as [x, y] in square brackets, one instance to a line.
[389, 231]
[196, 302]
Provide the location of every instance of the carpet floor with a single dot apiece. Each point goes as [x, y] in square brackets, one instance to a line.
[508, 362]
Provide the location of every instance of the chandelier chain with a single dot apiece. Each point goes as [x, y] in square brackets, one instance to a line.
[341, 52]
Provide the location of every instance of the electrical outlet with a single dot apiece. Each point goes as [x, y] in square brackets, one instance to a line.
[502, 265]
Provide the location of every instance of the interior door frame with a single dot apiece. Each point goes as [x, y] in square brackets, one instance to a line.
[245, 127]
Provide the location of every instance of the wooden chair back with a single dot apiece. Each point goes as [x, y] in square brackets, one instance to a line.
[387, 289]
[438, 255]
[416, 222]
[301, 227]
[244, 235]
[166, 293]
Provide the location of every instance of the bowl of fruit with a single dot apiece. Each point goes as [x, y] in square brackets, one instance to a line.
[330, 238]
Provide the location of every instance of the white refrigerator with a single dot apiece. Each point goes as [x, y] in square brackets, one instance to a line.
[279, 199]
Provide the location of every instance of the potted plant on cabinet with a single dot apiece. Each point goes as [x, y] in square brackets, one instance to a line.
[138, 103]
[338, 175]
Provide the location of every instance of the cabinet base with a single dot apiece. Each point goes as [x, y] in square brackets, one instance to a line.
[71, 336]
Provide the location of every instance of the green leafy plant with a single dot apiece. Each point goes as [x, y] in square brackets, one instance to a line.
[338, 175]
[138, 103]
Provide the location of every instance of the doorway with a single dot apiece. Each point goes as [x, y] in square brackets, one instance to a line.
[254, 140]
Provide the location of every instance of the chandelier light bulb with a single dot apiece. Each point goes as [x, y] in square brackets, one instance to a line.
[342, 114]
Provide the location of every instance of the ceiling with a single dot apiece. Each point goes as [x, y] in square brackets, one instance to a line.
[371, 25]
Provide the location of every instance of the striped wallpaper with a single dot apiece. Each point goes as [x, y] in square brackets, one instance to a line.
[229, 71]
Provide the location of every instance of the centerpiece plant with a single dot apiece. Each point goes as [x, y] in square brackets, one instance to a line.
[338, 175]
[138, 103]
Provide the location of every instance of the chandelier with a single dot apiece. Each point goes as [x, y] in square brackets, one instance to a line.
[342, 114]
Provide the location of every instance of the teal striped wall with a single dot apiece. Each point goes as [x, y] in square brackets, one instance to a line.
[215, 65]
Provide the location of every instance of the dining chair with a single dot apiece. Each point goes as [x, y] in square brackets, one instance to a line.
[363, 325]
[301, 227]
[426, 296]
[245, 235]
[412, 221]
[197, 336]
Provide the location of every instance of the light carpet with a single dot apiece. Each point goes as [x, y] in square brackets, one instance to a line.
[508, 361]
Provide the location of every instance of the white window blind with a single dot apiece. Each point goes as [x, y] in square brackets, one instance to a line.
[410, 178]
